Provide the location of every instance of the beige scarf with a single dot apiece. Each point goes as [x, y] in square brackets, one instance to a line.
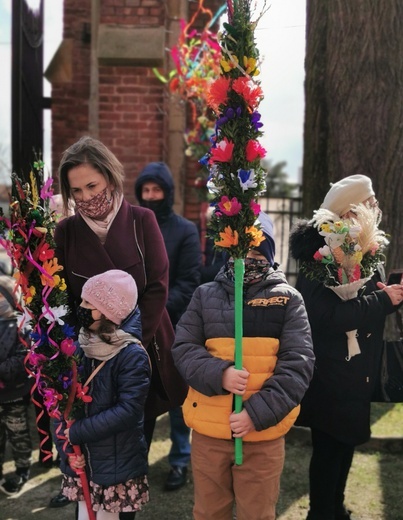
[101, 227]
[95, 348]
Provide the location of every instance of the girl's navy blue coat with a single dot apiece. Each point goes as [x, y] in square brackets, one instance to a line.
[111, 433]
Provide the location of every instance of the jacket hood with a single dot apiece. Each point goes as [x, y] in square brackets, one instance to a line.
[160, 173]
[304, 241]
[132, 324]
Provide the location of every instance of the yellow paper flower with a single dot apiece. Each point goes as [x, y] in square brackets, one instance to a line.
[229, 64]
[250, 66]
[257, 236]
[229, 238]
[62, 285]
[325, 228]
[28, 296]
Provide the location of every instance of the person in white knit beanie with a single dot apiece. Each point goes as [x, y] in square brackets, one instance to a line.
[349, 191]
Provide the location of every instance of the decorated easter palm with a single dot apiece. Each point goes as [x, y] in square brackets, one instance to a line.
[236, 177]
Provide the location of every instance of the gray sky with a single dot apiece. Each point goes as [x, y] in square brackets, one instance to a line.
[280, 37]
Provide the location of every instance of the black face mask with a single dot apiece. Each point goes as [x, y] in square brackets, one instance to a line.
[84, 317]
[161, 208]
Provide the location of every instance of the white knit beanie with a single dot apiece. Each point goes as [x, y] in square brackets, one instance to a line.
[346, 192]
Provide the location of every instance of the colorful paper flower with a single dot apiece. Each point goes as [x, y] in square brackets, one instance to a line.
[45, 252]
[250, 91]
[250, 65]
[51, 267]
[222, 151]
[247, 179]
[229, 64]
[255, 207]
[229, 238]
[82, 392]
[218, 93]
[54, 314]
[254, 150]
[257, 236]
[229, 207]
[67, 347]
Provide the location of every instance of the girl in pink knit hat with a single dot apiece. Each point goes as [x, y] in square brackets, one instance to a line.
[117, 372]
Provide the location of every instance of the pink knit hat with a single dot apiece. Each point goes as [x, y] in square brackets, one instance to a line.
[114, 293]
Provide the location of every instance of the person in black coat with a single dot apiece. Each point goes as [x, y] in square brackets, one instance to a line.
[337, 404]
[154, 189]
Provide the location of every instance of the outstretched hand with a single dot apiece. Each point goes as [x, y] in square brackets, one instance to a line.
[395, 292]
[234, 380]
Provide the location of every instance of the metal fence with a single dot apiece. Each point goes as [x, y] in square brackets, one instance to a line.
[284, 213]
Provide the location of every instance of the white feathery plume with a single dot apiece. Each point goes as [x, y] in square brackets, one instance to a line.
[370, 235]
[322, 216]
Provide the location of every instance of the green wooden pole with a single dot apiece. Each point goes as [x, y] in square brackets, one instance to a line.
[239, 274]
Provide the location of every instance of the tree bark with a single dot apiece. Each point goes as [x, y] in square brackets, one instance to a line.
[354, 104]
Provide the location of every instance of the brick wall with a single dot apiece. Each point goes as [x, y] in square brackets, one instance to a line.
[131, 101]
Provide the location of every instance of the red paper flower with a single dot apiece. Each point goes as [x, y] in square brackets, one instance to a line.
[254, 150]
[45, 253]
[218, 93]
[222, 152]
[251, 92]
[81, 393]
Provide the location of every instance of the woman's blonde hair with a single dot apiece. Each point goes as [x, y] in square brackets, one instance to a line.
[88, 150]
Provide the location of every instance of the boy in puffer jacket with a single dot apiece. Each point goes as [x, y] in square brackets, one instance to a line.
[278, 364]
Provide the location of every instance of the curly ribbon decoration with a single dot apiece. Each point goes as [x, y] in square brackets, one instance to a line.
[77, 450]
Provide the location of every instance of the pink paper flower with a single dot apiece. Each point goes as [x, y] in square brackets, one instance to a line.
[317, 256]
[67, 347]
[255, 207]
[230, 207]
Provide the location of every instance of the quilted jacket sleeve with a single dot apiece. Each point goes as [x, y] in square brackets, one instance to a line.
[197, 366]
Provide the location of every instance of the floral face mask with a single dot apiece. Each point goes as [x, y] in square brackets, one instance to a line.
[255, 270]
[97, 207]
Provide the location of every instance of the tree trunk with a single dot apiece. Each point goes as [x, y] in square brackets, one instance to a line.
[354, 104]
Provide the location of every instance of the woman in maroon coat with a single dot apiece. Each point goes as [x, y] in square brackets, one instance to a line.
[108, 233]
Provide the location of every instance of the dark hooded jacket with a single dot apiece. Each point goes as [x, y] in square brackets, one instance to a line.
[339, 396]
[14, 380]
[181, 240]
[110, 433]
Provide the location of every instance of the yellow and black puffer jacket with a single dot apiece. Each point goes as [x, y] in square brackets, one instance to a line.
[277, 352]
